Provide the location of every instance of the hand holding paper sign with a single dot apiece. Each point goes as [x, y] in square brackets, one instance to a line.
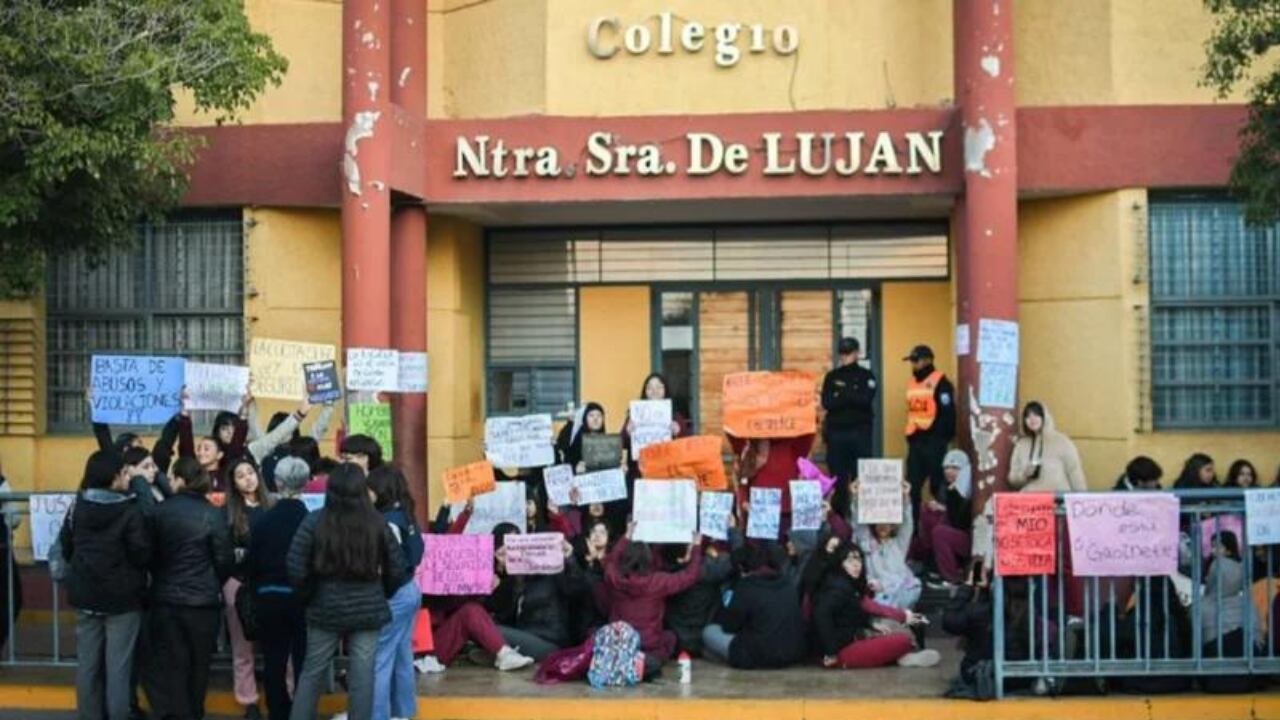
[463, 483]
[769, 404]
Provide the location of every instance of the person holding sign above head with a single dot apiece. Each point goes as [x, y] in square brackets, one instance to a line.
[214, 451]
[588, 420]
[848, 396]
[931, 425]
[844, 613]
[162, 451]
[885, 547]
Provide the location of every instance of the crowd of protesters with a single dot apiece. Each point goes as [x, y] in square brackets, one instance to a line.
[164, 554]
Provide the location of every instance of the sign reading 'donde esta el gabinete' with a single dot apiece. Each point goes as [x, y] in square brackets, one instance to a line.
[705, 153]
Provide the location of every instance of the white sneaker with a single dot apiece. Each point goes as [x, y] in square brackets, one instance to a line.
[510, 659]
[339, 716]
[428, 665]
[921, 658]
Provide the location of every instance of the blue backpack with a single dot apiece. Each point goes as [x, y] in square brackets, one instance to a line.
[616, 659]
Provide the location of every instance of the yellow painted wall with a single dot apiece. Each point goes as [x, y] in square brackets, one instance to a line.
[613, 347]
[911, 313]
[455, 339]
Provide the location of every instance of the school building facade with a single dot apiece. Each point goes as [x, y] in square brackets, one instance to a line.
[569, 194]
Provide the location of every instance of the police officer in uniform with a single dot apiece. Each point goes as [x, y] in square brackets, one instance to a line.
[848, 396]
[931, 424]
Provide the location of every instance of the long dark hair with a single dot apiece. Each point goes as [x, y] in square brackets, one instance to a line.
[1190, 477]
[195, 479]
[101, 470]
[842, 553]
[221, 420]
[537, 492]
[237, 508]
[636, 560]
[1229, 542]
[391, 490]
[306, 448]
[666, 386]
[349, 533]
[1237, 467]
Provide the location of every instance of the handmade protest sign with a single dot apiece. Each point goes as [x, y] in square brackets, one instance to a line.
[696, 457]
[463, 483]
[879, 491]
[769, 404]
[601, 486]
[1120, 534]
[136, 389]
[506, 504]
[559, 482]
[665, 511]
[519, 442]
[765, 519]
[714, 509]
[600, 452]
[997, 341]
[456, 565]
[534, 554]
[650, 423]
[374, 420]
[999, 385]
[806, 505]
[215, 387]
[1024, 535]
[1223, 523]
[47, 515]
[373, 369]
[1262, 516]
[413, 372]
[275, 366]
[321, 381]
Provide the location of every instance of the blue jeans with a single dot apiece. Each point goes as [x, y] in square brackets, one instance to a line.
[394, 687]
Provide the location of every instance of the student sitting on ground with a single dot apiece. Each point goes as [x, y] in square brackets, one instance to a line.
[689, 612]
[759, 625]
[885, 546]
[945, 524]
[533, 611]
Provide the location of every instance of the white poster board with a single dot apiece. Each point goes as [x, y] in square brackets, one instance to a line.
[764, 521]
[879, 491]
[47, 515]
[519, 442]
[373, 369]
[666, 511]
[714, 509]
[413, 372]
[651, 423]
[506, 504]
[216, 387]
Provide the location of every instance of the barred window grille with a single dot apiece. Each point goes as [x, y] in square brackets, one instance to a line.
[533, 350]
[180, 291]
[1215, 310]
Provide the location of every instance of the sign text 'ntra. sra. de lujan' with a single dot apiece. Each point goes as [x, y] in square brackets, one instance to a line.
[605, 154]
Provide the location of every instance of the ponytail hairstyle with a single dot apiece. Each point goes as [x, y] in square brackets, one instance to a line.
[349, 533]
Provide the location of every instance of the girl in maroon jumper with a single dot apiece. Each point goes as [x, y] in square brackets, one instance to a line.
[637, 594]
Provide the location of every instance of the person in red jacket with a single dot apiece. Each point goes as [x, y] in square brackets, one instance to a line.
[769, 463]
[637, 594]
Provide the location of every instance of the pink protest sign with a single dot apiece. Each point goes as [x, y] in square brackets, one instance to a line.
[456, 565]
[1219, 524]
[534, 554]
[1123, 534]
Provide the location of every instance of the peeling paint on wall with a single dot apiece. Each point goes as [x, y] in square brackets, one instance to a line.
[361, 128]
[373, 91]
[984, 428]
[990, 65]
[404, 76]
[977, 143]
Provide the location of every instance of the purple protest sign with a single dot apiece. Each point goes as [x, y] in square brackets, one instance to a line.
[456, 565]
[1123, 534]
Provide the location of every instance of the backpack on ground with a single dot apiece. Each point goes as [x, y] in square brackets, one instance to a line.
[616, 658]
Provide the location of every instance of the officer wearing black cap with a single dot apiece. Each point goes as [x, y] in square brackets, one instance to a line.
[931, 424]
[848, 396]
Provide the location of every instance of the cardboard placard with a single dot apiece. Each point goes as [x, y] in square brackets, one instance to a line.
[696, 457]
[373, 369]
[601, 452]
[1122, 534]
[650, 423]
[519, 442]
[216, 387]
[765, 519]
[374, 420]
[665, 511]
[714, 509]
[321, 382]
[275, 366]
[534, 554]
[770, 404]
[806, 505]
[465, 482]
[136, 389]
[1025, 534]
[879, 491]
[456, 565]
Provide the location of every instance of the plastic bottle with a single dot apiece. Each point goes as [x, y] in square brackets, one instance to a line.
[686, 668]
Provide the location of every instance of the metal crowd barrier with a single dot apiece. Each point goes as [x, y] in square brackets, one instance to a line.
[1142, 627]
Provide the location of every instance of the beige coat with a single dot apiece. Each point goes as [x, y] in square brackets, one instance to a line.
[1060, 469]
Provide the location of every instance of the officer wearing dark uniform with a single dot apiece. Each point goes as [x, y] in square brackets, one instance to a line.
[848, 396]
[931, 424]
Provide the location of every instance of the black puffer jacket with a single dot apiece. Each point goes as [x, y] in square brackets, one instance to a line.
[192, 555]
[541, 604]
[690, 611]
[107, 544]
[344, 605]
[764, 616]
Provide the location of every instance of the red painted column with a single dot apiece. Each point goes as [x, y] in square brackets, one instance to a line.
[409, 251]
[366, 164]
[987, 246]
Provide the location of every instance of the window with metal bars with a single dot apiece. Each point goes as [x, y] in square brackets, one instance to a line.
[1215, 316]
[179, 292]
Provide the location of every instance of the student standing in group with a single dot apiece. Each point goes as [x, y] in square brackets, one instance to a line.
[346, 563]
[394, 687]
[105, 540]
[589, 420]
[247, 500]
[192, 557]
[282, 626]
[931, 424]
[849, 397]
[654, 388]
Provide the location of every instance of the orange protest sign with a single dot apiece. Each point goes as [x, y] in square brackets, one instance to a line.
[1024, 534]
[770, 404]
[692, 457]
[463, 483]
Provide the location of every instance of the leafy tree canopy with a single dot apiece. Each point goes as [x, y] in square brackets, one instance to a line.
[87, 88]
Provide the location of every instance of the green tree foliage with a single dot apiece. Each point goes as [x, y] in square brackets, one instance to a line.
[87, 88]
[1239, 50]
